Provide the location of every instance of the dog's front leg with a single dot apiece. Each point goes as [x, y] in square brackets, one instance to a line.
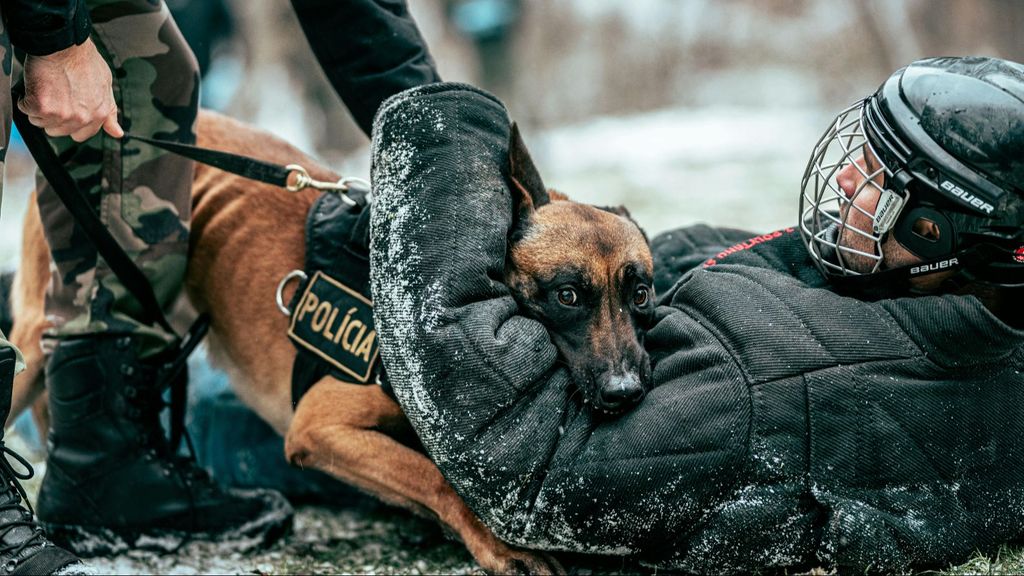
[341, 429]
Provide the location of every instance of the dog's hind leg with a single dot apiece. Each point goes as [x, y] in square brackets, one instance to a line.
[28, 298]
[342, 429]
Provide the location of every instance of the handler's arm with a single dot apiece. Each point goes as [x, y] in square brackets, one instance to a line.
[369, 49]
[42, 27]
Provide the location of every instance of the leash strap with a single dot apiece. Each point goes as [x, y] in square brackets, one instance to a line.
[67, 190]
[174, 376]
[241, 165]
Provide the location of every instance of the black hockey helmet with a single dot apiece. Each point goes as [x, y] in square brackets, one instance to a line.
[946, 137]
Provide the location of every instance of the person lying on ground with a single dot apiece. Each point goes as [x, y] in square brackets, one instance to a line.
[846, 392]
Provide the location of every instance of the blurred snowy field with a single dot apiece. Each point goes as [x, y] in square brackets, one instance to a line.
[736, 167]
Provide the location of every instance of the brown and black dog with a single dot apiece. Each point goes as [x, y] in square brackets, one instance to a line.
[584, 272]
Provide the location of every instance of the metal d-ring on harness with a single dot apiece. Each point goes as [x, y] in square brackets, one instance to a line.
[292, 177]
[299, 275]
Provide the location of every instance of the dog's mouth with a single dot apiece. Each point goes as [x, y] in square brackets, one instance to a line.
[597, 408]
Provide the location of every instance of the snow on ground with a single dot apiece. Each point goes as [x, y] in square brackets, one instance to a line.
[366, 540]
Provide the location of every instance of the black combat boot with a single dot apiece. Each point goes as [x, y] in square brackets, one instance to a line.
[23, 549]
[114, 482]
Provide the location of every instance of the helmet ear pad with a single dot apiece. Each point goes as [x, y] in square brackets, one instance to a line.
[926, 233]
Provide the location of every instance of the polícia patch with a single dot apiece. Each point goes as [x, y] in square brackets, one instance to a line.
[335, 322]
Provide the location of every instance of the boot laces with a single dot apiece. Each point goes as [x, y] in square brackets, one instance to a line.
[146, 407]
[10, 477]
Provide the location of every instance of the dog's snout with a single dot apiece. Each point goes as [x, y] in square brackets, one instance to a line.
[621, 391]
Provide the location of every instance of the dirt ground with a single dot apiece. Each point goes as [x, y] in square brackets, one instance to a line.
[366, 540]
[360, 536]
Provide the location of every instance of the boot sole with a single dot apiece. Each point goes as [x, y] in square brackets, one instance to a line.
[92, 541]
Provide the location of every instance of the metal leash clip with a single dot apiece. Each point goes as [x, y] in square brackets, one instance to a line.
[304, 180]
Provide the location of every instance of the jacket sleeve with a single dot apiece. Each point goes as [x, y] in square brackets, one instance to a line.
[369, 49]
[42, 27]
[479, 382]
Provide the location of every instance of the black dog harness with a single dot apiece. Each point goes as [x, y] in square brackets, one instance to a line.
[331, 312]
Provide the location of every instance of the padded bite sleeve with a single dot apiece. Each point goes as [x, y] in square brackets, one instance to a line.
[468, 371]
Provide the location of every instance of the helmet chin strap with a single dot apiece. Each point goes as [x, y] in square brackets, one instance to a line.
[996, 267]
[979, 264]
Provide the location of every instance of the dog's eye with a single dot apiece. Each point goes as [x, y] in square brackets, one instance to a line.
[567, 297]
[641, 296]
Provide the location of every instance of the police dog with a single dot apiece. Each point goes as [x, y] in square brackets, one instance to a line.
[585, 272]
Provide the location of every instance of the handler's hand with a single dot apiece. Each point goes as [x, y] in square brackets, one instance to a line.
[68, 93]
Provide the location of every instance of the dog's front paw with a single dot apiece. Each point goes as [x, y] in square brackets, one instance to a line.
[508, 560]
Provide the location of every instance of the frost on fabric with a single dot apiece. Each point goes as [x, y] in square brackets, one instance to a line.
[431, 307]
[764, 515]
[395, 260]
[554, 523]
[898, 526]
[397, 277]
[408, 297]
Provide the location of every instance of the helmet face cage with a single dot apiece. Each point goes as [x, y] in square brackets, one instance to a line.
[844, 233]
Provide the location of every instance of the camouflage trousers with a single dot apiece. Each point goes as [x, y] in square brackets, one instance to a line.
[141, 193]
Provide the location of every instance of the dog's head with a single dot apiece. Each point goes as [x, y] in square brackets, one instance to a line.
[586, 274]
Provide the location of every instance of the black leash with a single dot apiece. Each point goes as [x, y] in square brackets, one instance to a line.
[241, 165]
[252, 168]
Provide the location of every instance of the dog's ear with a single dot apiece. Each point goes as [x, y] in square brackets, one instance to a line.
[528, 191]
[621, 211]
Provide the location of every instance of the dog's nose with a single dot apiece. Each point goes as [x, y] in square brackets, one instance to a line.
[621, 391]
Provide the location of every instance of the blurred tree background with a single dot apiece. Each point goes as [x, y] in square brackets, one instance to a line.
[557, 62]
